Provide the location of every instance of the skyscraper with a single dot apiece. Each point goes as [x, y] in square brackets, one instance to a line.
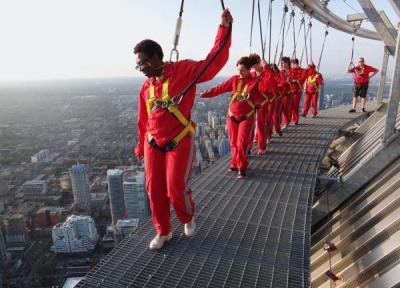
[224, 147]
[16, 232]
[2, 249]
[136, 201]
[80, 186]
[116, 194]
[76, 234]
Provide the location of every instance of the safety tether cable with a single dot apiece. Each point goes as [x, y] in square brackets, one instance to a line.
[323, 46]
[284, 36]
[305, 48]
[356, 27]
[207, 64]
[270, 31]
[311, 58]
[252, 24]
[281, 30]
[261, 34]
[302, 23]
[177, 34]
[294, 38]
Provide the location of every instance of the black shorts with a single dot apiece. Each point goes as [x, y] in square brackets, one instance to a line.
[360, 90]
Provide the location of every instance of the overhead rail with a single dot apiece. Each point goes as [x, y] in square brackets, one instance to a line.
[324, 15]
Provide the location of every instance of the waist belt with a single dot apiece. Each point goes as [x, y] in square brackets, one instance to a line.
[243, 118]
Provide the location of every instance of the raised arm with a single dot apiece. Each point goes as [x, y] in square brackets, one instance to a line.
[194, 67]
[142, 123]
[351, 68]
[219, 89]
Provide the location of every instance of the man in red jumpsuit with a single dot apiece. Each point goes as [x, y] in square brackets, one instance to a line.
[286, 91]
[313, 83]
[240, 119]
[166, 131]
[277, 110]
[297, 77]
[361, 74]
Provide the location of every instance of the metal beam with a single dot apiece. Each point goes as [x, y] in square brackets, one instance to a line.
[382, 81]
[378, 23]
[396, 6]
[358, 17]
[324, 15]
[394, 98]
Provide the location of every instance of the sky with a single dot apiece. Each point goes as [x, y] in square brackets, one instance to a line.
[69, 39]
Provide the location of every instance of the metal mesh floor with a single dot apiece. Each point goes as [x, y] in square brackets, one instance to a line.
[251, 233]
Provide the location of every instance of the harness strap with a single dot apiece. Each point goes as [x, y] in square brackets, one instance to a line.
[166, 102]
[241, 95]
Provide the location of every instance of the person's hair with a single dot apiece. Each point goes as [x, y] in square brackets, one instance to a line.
[150, 48]
[255, 58]
[246, 62]
[286, 60]
[274, 67]
[295, 61]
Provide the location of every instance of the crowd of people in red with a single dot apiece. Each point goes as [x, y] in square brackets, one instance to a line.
[263, 99]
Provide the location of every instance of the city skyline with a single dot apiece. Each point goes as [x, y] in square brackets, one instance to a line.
[43, 41]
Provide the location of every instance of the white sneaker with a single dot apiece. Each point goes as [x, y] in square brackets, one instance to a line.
[284, 126]
[190, 228]
[158, 241]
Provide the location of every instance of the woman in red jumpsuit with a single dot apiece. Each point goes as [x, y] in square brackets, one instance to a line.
[285, 88]
[297, 77]
[313, 83]
[240, 119]
[265, 108]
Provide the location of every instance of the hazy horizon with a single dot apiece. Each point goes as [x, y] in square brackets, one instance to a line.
[56, 40]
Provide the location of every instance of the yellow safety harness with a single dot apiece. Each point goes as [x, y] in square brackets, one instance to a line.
[242, 95]
[267, 100]
[311, 80]
[168, 103]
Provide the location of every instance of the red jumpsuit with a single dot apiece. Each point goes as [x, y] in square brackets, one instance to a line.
[167, 172]
[313, 82]
[287, 96]
[282, 88]
[268, 89]
[297, 78]
[240, 118]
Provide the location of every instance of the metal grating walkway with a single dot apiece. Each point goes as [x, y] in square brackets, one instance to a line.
[252, 233]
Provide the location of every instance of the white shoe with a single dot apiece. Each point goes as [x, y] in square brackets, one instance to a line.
[190, 228]
[159, 241]
[284, 126]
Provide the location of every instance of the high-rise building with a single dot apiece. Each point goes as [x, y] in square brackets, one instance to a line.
[34, 188]
[65, 182]
[321, 104]
[3, 187]
[136, 201]
[80, 186]
[210, 115]
[77, 234]
[215, 121]
[224, 147]
[41, 156]
[2, 249]
[124, 227]
[116, 194]
[16, 232]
